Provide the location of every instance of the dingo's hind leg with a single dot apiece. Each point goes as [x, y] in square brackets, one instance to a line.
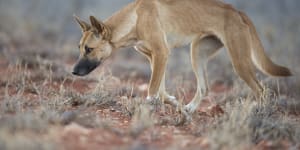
[239, 47]
[202, 49]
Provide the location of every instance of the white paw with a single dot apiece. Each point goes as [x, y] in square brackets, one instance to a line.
[148, 98]
[190, 108]
[172, 101]
[172, 97]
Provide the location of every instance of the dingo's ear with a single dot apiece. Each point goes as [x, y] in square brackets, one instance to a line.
[83, 25]
[100, 27]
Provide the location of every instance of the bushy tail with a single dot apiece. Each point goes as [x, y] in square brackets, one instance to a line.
[259, 57]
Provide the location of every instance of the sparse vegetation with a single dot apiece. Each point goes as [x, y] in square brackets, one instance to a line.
[44, 107]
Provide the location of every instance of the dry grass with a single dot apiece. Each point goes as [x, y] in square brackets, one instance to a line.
[40, 99]
[249, 121]
[39, 96]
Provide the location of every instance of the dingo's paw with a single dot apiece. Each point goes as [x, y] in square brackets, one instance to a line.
[190, 108]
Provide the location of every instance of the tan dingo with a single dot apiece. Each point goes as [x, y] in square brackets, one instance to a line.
[154, 27]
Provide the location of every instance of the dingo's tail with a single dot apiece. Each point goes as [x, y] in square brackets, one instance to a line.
[259, 57]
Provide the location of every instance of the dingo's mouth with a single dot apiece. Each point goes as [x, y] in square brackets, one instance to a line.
[85, 66]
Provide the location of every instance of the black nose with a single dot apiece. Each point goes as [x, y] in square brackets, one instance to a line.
[75, 73]
[81, 70]
[84, 67]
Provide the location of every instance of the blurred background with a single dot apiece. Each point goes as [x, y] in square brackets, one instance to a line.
[47, 29]
[40, 99]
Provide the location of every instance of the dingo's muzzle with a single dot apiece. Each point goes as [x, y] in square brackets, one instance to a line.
[84, 66]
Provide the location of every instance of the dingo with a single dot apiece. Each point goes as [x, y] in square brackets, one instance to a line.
[154, 27]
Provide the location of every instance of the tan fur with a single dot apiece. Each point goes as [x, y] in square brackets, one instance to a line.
[154, 27]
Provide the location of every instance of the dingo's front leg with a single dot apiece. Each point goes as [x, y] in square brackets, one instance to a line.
[157, 93]
[158, 64]
[163, 94]
[154, 93]
[154, 40]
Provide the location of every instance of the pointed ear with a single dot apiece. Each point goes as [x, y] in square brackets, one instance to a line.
[100, 27]
[83, 25]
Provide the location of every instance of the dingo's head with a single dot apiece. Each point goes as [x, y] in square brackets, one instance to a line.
[95, 46]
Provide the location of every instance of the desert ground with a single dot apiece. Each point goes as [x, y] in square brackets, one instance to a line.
[44, 107]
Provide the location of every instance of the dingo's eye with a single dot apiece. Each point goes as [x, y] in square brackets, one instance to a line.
[88, 49]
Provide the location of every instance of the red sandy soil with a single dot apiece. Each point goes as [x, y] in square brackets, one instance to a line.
[157, 137]
[118, 136]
